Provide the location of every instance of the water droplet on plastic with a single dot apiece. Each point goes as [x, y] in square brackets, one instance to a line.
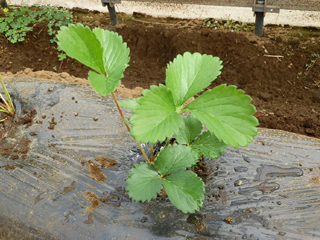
[270, 171]
[240, 169]
[247, 159]
[250, 200]
[264, 187]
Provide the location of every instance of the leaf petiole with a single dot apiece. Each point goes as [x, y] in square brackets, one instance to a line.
[128, 128]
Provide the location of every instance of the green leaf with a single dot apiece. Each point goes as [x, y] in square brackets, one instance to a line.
[101, 50]
[130, 104]
[81, 43]
[155, 118]
[208, 145]
[100, 84]
[185, 190]
[189, 74]
[144, 183]
[227, 113]
[189, 130]
[175, 158]
[115, 58]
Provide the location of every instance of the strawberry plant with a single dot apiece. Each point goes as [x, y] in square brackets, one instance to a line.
[225, 112]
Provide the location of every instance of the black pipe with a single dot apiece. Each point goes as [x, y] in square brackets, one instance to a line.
[112, 11]
[258, 30]
[113, 15]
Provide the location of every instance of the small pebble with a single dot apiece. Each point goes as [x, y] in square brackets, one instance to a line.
[238, 183]
[228, 220]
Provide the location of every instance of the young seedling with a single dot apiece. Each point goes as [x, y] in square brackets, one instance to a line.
[6, 106]
[225, 111]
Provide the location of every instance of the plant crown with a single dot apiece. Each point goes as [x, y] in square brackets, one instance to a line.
[225, 111]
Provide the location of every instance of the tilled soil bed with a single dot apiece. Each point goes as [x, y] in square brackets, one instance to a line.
[280, 71]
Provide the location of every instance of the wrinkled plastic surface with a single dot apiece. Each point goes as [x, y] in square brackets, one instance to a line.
[261, 188]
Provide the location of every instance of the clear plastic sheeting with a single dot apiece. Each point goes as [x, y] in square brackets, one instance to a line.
[265, 191]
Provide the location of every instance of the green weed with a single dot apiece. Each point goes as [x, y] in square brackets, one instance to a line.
[21, 20]
[228, 24]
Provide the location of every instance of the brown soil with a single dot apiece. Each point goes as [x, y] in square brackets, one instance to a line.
[94, 201]
[15, 151]
[95, 169]
[68, 188]
[95, 172]
[105, 163]
[280, 71]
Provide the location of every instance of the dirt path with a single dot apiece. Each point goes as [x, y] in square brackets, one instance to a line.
[280, 71]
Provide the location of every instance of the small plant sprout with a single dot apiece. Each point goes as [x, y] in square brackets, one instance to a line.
[218, 118]
[6, 106]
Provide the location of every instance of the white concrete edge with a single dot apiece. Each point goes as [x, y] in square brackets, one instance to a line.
[188, 11]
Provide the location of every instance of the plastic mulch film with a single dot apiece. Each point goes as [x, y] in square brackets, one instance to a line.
[70, 183]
